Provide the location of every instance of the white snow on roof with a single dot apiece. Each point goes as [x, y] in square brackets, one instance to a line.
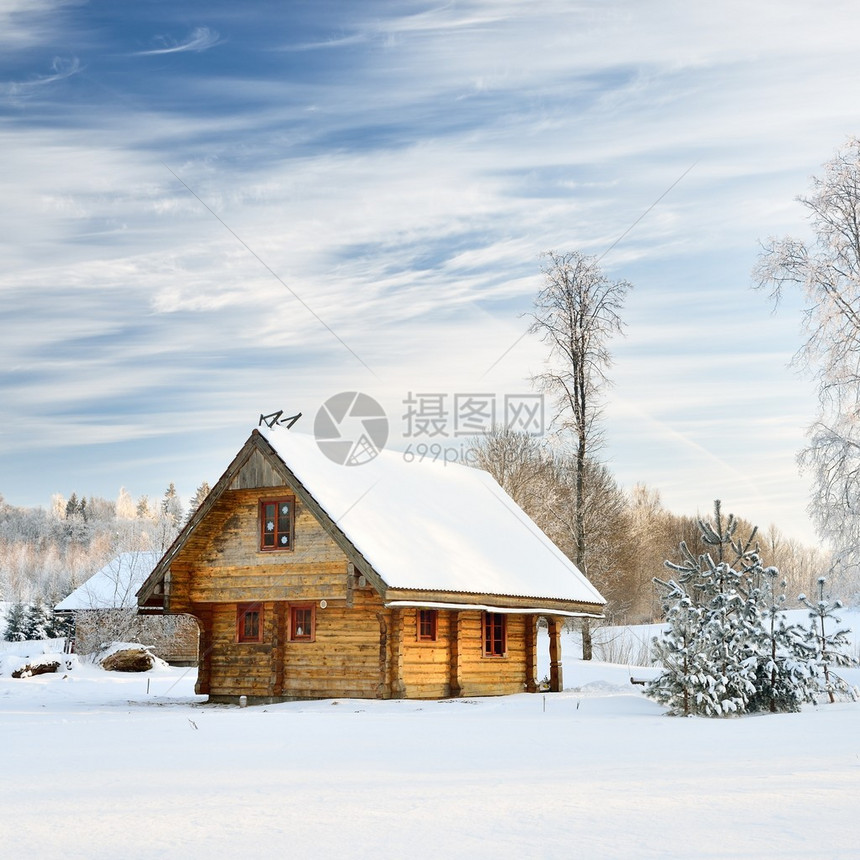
[115, 585]
[427, 525]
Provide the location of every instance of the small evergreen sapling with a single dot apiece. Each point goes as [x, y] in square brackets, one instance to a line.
[680, 653]
[780, 652]
[828, 646]
[703, 652]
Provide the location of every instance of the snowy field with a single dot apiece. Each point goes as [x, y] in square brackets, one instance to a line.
[94, 765]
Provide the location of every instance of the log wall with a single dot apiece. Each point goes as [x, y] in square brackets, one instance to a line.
[343, 661]
[455, 665]
[424, 667]
[222, 562]
[491, 676]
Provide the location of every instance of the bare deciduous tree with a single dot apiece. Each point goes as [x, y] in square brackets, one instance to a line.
[827, 272]
[576, 313]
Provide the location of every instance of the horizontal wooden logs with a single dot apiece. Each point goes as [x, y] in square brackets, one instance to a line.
[221, 559]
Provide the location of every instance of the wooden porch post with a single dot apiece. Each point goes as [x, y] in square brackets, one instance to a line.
[382, 686]
[454, 687]
[531, 653]
[556, 682]
[397, 688]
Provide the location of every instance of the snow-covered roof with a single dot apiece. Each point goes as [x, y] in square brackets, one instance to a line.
[115, 585]
[434, 526]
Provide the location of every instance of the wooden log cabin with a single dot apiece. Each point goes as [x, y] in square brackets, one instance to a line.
[385, 580]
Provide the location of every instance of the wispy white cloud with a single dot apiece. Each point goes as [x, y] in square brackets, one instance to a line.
[199, 39]
[326, 44]
[61, 69]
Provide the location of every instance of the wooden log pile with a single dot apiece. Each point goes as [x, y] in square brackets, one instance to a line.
[129, 660]
[40, 668]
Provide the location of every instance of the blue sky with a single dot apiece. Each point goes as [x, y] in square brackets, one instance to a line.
[400, 167]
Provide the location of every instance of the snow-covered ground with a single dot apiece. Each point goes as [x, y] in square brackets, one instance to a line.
[103, 765]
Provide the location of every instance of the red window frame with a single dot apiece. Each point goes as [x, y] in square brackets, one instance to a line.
[280, 536]
[303, 617]
[427, 621]
[249, 622]
[495, 634]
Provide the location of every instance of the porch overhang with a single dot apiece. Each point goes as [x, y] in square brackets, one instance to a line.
[485, 607]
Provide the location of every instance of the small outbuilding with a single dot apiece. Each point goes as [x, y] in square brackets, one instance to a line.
[104, 609]
[388, 579]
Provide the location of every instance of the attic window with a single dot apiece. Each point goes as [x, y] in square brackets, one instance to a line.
[495, 634]
[276, 524]
[249, 622]
[427, 625]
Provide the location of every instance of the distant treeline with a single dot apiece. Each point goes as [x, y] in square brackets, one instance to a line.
[46, 554]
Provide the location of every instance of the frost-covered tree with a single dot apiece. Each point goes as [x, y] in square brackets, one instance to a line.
[783, 676]
[828, 642]
[38, 620]
[171, 507]
[728, 648]
[705, 670]
[16, 623]
[682, 653]
[827, 273]
[125, 509]
[58, 506]
[576, 313]
[169, 521]
[60, 626]
[197, 499]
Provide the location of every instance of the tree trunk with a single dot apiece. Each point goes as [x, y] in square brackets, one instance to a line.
[585, 626]
[587, 647]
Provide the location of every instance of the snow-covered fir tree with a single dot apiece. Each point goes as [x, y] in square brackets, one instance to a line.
[16, 622]
[202, 491]
[38, 621]
[783, 677]
[703, 604]
[125, 508]
[728, 649]
[829, 646]
[171, 507]
[72, 505]
[681, 653]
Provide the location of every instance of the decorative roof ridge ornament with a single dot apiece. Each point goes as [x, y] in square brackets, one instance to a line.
[274, 419]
